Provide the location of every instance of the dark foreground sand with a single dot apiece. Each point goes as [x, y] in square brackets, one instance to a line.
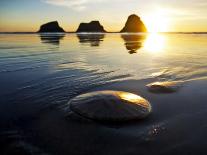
[177, 125]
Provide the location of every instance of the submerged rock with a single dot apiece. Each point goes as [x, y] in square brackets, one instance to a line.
[163, 87]
[110, 106]
[51, 27]
[93, 26]
[134, 24]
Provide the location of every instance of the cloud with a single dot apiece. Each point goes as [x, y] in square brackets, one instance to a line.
[74, 4]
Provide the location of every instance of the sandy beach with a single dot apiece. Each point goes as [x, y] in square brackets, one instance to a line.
[85, 77]
[40, 74]
[177, 125]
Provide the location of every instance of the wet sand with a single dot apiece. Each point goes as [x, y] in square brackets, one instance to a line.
[177, 125]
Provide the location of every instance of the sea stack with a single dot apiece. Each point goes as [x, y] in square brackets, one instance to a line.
[51, 27]
[134, 24]
[93, 26]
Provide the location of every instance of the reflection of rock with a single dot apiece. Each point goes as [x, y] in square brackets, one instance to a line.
[134, 24]
[110, 106]
[51, 38]
[51, 27]
[133, 42]
[92, 39]
[93, 26]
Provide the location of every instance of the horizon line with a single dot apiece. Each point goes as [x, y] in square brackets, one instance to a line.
[102, 32]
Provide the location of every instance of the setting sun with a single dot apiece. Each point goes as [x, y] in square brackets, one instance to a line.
[103, 77]
[157, 22]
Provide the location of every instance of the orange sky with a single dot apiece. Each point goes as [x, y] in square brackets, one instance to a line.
[158, 15]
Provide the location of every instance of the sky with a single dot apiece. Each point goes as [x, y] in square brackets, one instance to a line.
[158, 15]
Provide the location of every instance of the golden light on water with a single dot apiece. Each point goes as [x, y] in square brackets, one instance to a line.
[154, 43]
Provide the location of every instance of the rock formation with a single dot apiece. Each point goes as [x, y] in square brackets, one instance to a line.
[51, 27]
[93, 26]
[134, 24]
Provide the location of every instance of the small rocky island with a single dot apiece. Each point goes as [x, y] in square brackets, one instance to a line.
[93, 26]
[51, 27]
[134, 24]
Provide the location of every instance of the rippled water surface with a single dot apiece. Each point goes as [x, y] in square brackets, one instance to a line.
[41, 70]
[53, 66]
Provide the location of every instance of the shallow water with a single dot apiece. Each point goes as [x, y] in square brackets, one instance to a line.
[43, 71]
[50, 68]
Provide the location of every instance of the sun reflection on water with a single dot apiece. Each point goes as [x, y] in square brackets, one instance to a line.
[154, 43]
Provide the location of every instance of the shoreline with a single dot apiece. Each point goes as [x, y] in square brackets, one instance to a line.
[38, 79]
[168, 130]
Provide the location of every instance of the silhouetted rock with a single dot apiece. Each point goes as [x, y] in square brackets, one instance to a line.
[51, 27]
[92, 39]
[134, 24]
[93, 26]
[133, 42]
[51, 38]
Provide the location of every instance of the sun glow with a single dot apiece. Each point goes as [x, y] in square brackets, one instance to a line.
[154, 43]
[157, 22]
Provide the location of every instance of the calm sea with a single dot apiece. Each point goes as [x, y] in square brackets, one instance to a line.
[38, 71]
[52, 67]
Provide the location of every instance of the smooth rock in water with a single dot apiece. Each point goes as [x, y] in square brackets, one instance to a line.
[134, 24]
[163, 87]
[110, 106]
[51, 27]
[93, 26]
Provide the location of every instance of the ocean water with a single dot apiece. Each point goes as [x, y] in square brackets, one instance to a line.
[43, 71]
[50, 68]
